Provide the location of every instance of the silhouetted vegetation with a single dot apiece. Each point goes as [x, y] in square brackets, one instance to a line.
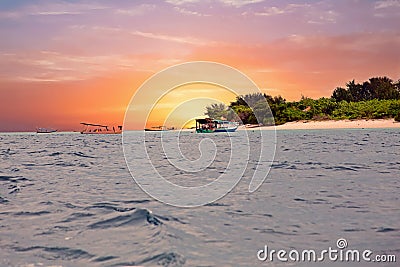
[376, 98]
[375, 88]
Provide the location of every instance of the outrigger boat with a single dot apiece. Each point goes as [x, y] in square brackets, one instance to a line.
[45, 130]
[91, 128]
[159, 128]
[208, 125]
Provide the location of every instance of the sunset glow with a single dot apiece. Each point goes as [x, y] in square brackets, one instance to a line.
[178, 108]
[63, 62]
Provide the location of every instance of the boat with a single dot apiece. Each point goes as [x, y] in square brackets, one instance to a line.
[253, 125]
[159, 128]
[209, 125]
[91, 128]
[45, 130]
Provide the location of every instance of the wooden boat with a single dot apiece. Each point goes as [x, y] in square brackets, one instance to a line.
[208, 125]
[45, 130]
[159, 128]
[91, 128]
[253, 125]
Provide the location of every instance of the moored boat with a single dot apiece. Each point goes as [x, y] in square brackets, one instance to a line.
[159, 128]
[45, 130]
[208, 125]
[91, 128]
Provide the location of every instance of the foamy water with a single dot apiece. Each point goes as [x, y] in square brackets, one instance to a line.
[69, 199]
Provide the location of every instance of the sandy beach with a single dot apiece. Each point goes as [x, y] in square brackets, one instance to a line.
[332, 124]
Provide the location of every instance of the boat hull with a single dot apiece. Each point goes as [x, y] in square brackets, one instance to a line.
[222, 130]
[218, 130]
[204, 131]
[103, 132]
[155, 130]
[42, 130]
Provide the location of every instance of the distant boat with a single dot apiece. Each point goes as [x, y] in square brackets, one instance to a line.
[45, 130]
[253, 125]
[208, 125]
[91, 128]
[159, 128]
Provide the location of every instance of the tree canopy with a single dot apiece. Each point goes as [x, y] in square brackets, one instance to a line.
[376, 98]
[375, 88]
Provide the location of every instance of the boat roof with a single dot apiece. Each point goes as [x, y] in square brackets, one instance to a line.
[222, 121]
[208, 120]
[91, 124]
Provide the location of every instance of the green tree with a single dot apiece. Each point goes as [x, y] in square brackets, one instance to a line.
[341, 94]
[375, 88]
[379, 97]
[216, 111]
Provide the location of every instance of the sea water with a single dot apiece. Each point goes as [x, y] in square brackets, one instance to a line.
[68, 199]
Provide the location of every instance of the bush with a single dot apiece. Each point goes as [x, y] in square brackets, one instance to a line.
[397, 117]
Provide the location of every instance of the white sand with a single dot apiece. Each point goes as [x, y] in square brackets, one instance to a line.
[332, 124]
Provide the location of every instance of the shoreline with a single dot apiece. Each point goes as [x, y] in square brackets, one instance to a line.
[334, 124]
[297, 125]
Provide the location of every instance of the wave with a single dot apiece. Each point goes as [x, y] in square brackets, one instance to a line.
[105, 258]
[109, 206]
[138, 216]
[80, 154]
[386, 229]
[167, 259]
[77, 216]
[55, 154]
[57, 253]
[13, 179]
[31, 213]
[3, 200]
[14, 189]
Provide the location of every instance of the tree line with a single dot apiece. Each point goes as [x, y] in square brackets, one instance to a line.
[377, 98]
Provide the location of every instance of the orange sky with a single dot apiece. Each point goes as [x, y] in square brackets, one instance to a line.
[64, 62]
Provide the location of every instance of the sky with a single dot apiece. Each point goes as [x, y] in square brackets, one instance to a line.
[64, 62]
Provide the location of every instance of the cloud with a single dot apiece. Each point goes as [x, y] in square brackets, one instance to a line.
[387, 9]
[55, 13]
[171, 38]
[240, 3]
[189, 12]
[137, 10]
[387, 4]
[311, 65]
[52, 9]
[312, 14]
[329, 16]
[51, 66]
[235, 3]
[9, 15]
[112, 34]
[272, 11]
[181, 2]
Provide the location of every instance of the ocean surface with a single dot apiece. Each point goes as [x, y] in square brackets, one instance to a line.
[68, 199]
